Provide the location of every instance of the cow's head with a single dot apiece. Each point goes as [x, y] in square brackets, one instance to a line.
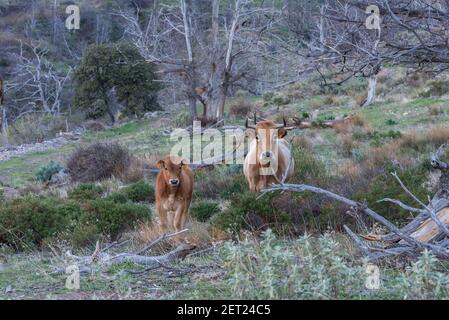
[171, 170]
[267, 134]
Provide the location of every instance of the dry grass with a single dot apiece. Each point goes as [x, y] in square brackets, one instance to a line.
[418, 140]
[152, 159]
[346, 144]
[350, 169]
[354, 122]
[242, 108]
[197, 234]
[435, 110]
[302, 142]
[438, 135]
[135, 171]
[94, 125]
[359, 99]
[358, 120]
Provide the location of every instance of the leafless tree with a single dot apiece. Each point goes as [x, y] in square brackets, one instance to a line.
[414, 33]
[38, 85]
[219, 45]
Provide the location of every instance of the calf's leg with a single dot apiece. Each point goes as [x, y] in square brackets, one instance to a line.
[162, 217]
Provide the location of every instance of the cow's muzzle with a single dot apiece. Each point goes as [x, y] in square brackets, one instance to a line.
[173, 182]
[266, 156]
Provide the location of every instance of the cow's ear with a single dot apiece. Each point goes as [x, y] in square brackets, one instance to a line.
[160, 164]
[282, 133]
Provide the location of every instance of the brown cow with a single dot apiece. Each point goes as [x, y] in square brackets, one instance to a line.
[269, 159]
[174, 187]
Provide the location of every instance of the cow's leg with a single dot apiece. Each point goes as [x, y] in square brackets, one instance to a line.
[252, 182]
[179, 220]
[162, 217]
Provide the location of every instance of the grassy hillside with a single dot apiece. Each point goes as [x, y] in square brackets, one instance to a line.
[397, 133]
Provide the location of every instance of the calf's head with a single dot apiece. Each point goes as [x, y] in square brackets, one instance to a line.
[171, 170]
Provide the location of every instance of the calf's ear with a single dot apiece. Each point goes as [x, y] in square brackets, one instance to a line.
[282, 133]
[160, 164]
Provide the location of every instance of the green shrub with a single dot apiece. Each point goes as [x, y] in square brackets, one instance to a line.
[85, 191]
[139, 191]
[111, 217]
[27, 222]
[84, 234]
[281, 100]
[302, 269]
[268, 96]
[204, 210]
[309, 169]
[377, 138]
[391, 122]
[45, 172]
[316, 268]
[246, 211]
[222, 183]
[31, 221]
[386, 186]
[117, 197]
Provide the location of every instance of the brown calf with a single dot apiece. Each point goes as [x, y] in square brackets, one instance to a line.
[174, 187]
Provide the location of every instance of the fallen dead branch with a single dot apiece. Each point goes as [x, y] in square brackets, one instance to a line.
[101, 259]
[427, 231]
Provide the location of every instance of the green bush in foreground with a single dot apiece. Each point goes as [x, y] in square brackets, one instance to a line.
[28, 221]
[111, 217]
[317, 268]
[204, 210]
[385, 185]
[247, 212]
[32, 221]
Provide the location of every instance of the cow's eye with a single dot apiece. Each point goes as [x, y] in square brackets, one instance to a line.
[257, 137]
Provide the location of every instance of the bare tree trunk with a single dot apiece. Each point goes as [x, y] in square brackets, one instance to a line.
[220, 75]
[192, 108]
[371, 97]
[4, 122]
[191, 77]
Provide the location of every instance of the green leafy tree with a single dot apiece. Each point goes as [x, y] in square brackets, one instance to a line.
[118, 71]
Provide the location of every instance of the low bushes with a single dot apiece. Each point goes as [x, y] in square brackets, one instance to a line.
[81, 219]
[322, 267]
[28, 221]
[85, 191]
[112, 217]
[139, 192]
[97, 162]
[246, 211]
[386, 186]
[221, 183]
[204, 210]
